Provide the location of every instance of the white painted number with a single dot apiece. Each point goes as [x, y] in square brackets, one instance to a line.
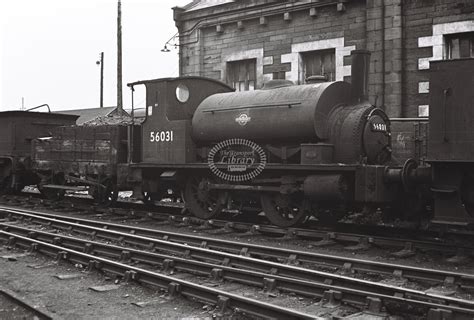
[379, 127]
[161, 136]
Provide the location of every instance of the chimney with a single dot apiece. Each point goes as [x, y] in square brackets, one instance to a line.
[360, 75]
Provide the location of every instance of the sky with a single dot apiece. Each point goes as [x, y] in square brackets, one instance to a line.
[49, 50]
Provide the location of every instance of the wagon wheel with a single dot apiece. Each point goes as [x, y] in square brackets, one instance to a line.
[284, 210]
[5, 185]
[105, 196]
[52, 193]
[201, 201]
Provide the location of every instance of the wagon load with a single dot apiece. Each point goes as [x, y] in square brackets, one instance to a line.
[82, 150]
[112, 120]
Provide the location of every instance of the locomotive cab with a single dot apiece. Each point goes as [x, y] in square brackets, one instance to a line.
[166, 144]
[171, 103]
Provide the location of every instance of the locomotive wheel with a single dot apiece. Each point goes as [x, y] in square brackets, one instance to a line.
[200, 200]
[284, 210]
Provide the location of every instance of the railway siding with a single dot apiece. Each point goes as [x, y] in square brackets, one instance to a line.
[277, 275]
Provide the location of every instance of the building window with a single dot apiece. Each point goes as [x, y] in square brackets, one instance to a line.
[460, 45]
[279, 75]
[319, 63]
[241, 74]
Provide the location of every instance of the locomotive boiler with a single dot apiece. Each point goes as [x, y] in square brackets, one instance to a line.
[334, 113]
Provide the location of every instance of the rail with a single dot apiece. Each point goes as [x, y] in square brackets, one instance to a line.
[205, 248]
[173, 285]
[217, 272]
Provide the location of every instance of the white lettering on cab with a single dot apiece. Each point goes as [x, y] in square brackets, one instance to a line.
[161, 136]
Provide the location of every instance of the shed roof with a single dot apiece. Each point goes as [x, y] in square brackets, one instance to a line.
[89, 114]
[137, 113]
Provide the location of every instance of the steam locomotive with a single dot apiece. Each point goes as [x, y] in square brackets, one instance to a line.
[293, 151]
[317, 148]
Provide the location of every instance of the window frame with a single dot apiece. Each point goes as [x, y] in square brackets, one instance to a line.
[463, 39]
[242, 74]
[322, 55]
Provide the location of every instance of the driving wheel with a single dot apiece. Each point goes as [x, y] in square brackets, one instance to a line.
[284, 210]
[202, 201]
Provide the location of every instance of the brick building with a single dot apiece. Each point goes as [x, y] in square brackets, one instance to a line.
[248, 42]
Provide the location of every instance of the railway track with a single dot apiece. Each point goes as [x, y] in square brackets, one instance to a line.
[458, 244]
[331, 262]
[173, 285]
[268, 274]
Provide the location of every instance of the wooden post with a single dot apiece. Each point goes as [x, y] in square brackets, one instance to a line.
[119, 60]
[101, 79]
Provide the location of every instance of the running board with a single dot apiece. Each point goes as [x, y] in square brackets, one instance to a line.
[62, 187]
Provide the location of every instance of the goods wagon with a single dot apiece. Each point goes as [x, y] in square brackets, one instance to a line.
[17, 131]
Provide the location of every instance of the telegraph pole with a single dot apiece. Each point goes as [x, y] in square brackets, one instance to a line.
[101, 62]
[119, 59]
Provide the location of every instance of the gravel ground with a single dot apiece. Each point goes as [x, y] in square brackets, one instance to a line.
[34, 279]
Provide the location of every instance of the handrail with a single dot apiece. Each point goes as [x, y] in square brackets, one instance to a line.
[283, 104]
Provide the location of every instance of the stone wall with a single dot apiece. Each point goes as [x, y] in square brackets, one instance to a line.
[403, 36]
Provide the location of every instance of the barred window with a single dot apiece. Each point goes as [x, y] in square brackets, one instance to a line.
[319, 63]
[460, 45]
[241, 74]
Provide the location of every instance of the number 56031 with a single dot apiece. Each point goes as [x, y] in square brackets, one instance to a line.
[161, 136]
